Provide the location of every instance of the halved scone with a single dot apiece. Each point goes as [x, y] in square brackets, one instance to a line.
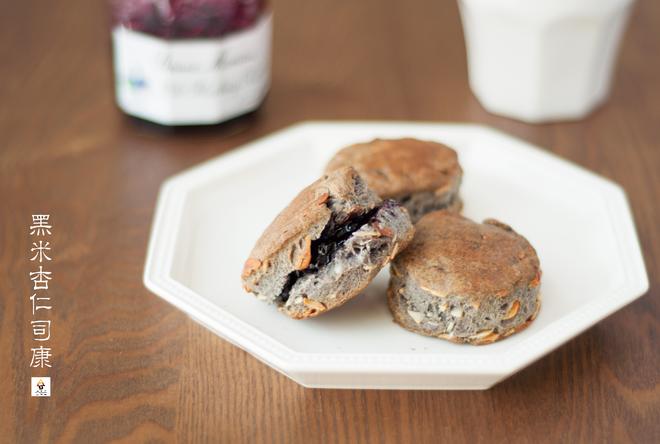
[326, 246]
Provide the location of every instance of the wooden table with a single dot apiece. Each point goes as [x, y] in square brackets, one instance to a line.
[128, 366]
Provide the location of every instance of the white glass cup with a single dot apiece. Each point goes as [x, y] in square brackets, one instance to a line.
[542, 60]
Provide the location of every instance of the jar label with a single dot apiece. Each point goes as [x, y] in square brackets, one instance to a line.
[196, 81]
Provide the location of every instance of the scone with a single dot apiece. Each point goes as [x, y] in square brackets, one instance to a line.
[464, 281]
[422, 176]
[326, 246]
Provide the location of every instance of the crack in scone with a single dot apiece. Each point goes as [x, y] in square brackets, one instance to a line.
[421, 203]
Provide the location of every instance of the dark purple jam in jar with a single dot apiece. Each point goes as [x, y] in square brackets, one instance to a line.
[188, 62]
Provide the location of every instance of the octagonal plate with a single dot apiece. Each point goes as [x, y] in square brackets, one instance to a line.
[208, 218]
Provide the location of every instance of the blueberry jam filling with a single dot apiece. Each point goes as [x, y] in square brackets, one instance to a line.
[324, 248]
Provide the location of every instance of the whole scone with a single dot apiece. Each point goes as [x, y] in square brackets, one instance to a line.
[326, 246]
[464, 281]
[423, 176]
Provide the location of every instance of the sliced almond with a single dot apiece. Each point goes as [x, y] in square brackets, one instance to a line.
[433, 292]
[509, 332]
[417, 316]
[536, 281]
[306, 254]
[456, 312]
[513, 310]
[385, 231]
[488, 339]
[315, 307]
[250, 266]
[395, 251]
[323, 198]
[451, 338]
[482, 334]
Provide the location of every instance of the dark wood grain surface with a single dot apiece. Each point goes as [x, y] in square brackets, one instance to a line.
[131, 368]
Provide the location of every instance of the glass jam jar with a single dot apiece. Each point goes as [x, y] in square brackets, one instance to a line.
[190, 62]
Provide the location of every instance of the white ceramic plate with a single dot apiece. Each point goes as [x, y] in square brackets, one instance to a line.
[209, 217]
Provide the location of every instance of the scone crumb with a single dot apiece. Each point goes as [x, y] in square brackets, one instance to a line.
[497, 223]
[538, 308]
[444, 189]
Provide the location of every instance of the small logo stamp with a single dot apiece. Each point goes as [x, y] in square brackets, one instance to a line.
[41, 386]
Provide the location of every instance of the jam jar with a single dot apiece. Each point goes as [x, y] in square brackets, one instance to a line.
[190, 62]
